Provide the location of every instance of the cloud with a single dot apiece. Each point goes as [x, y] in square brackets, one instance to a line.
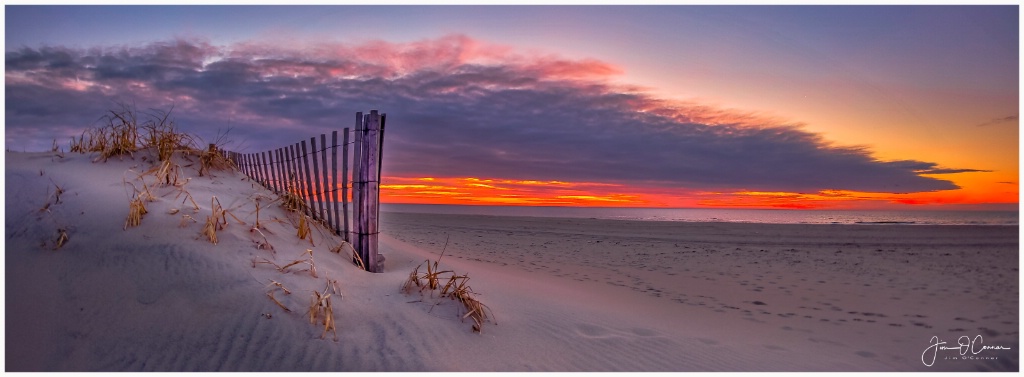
[457, 108]
[1006, 119]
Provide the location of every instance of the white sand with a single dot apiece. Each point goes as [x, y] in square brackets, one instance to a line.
[568, 294]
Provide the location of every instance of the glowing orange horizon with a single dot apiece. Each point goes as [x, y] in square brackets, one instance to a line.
[511, 192]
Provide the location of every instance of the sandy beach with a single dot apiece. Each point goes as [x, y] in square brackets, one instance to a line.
[763, 296]
[566, 294]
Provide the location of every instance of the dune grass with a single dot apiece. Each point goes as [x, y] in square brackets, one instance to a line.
[456, 288]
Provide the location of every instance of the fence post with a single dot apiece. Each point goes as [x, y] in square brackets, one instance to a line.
[371, 193]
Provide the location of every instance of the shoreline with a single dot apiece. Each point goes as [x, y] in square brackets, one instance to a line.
[914, 217]
[864, 223]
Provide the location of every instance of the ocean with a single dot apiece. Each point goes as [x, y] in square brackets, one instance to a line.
[771, 216]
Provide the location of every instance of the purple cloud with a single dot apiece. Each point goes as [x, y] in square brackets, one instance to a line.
[456, 106]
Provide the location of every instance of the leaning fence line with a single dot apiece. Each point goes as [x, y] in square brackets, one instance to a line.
[288, 171]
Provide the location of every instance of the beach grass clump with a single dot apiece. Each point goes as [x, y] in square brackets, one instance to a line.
[123, 134]
[456, 288]
[210, 230]
[136, 208]
[475, 309]
[136, 204]
[217, 220]
[211, 159]
[303, 231]
[161, 135]
[320, 308]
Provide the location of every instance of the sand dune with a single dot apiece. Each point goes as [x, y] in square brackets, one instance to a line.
[567, 294]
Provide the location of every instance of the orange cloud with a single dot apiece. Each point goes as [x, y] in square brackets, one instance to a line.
[495, 191]
[473, 190]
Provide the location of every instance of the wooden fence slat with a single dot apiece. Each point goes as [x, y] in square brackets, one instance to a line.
[299, 185]
[283, 167]
[272, 173]
[308, 178]
[356, 186]
[278, 171]
[344, 186]
[256, 167]
[334, 184]
[327, 193]
[248, 165]
[279, 167]
[292, 175]
[297, 179]
[263, 169]
[283, 158]
[318, 193]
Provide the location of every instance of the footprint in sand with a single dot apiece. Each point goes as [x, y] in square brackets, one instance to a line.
[708, 341]
[591, 331]
[865, 354]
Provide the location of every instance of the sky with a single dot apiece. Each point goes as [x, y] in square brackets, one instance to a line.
[807, 107]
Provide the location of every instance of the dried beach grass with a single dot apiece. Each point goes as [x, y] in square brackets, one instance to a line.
[136, 208]
[412, 281]
[265, 244]
[162, 135]
[188, 195]
[283, 269]
[210, 229]
[211, 159]
[321, 308]
[120, 136]
[278, 286]
[62, 238]
[304, 231]
[213, 222]
[358, 259]
[476, 310]
[217, 220]
[456, 288]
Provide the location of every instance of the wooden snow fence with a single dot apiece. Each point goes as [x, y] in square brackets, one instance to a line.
[302, 170]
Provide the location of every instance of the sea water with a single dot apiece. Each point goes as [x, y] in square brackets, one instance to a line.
[772, 216]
